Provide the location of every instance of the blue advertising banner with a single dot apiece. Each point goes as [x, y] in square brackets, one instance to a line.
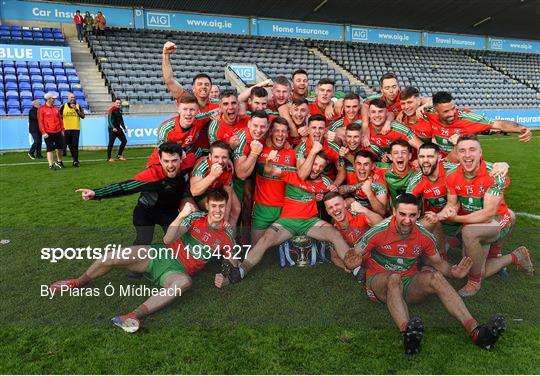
[56, 12]
[138, 17]
[528, 118]
[196, 22]
[454, 41]
[245, 72]
[15, 52]
[275, 28]
[141, 130]
[377, 35]
[514, 45]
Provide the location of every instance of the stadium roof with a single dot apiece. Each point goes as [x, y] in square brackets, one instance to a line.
[504, 18]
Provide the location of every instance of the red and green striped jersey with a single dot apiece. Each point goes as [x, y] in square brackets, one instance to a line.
[356, 228]
[388, 251]
[343, 122]
[432, 193]
[396, 183]
[270, 189]
[171, 131]
[202, 169]
[394, 106]
[331, 150]
[471, 192]
[421, 128]
[465, 123]
[299, 201]
[378, 187]
[156, 188]
[219, 130]
[314, 108]
[201, 241]
[397, 131]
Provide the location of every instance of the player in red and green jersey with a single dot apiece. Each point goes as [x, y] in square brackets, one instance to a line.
[446, 120]
[322, 103]
[478, 199]
[393, 248]
[216, 171]
[192, 239]
[352, 223]
[367, 187]
[298, 217]
[300, 84]
[281, 92]
[410, 102]
[246, 154]
[270, 190]
[230, 123]
[429, 184]
[377, 117]
[307, 149]
[184, 129]
[297, 114]
[398, 175]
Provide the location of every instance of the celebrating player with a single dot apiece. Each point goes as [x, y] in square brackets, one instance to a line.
[478, 199]
[393, 248]
[191, 240]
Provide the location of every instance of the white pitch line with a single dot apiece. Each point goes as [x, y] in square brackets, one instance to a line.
[45, 162]
[529, 215]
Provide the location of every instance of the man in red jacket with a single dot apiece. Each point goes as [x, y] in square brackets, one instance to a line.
[52, 129]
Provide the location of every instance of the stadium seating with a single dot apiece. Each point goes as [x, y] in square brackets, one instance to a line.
[131, 60]
[22, 34]
[23, 81]
[472, 83]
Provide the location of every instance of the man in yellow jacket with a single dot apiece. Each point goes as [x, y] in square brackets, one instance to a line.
[72, 113]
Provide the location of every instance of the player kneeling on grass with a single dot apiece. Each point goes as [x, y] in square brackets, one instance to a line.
[298, 217]
[191, 240]
[393, 248]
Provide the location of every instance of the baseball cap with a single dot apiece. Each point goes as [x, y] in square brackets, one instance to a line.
[50, 95]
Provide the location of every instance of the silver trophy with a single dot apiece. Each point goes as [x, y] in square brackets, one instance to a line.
[300, 247]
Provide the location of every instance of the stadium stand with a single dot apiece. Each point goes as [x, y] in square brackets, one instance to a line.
[522, 67]
[473, 83]
[142, 81]
[19, 34]
[23, 81]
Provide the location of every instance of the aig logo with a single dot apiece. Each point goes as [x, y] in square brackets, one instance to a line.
[158, 19]
[359, 34]
[497, 44]
[51, 54]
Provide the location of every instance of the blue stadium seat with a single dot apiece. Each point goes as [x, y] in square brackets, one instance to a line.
[71, 72]
[22, 70]
[39, 94]
[8, 64]
[76, 86]
[73, 79]
[49, 79]
[12, 86]
[13, 103]
[61, 79]
[26, 102]
[36, 78]
[50, 86]
[38, 86]
[44, 64]
[35, 70]
[78, 94]
[33, 64]
[83, 103]
[2, 111]
[46, 71]
[21, 64]
[14, 111]
[23, 78]
[63, 86]
[57, 64]
[6, 33]
[24, 86]
[9, 70]
[59, 71]
[25, 94]
[12, 94]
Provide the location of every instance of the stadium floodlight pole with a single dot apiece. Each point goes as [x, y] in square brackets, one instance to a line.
[482, 21]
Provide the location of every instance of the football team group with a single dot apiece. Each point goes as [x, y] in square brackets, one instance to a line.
[391, 183]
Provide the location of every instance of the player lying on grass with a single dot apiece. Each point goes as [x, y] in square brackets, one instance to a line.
[393, 248]
[191, 240]
[476, 201]
[298, 217]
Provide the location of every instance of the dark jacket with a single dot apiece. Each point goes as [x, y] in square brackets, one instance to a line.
[33, 125]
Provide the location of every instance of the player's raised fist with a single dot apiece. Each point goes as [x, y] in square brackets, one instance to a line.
[256, 147]
[272, 155]
[87, 194]
[357, 207]
[187, 209]
[216, 170]
[169, 48]
[317, 147]
[366, 186]
[303, 131]
[525, 134]
[343, 151]
[331, 136]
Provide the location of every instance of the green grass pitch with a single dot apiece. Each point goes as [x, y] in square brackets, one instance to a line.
[307, 321]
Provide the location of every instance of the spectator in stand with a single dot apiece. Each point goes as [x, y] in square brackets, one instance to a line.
[79, 25]
[99, 23]
[117, 129]
[88, 23]
[33, 129]
[52, 129]
[72, 113]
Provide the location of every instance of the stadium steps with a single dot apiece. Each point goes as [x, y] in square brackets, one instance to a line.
[235, 81]
[96, 91]
[507, 74]
[354, 81]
